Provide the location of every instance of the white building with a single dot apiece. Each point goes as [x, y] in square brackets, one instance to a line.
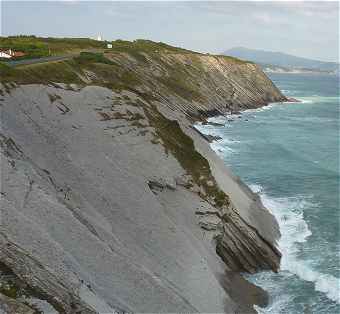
[100, 38]
[109, 46]
[6, 54]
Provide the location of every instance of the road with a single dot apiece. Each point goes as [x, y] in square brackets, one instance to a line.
[39, 60]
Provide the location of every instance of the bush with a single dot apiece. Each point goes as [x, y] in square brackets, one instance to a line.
[5, 69]
[90, 57]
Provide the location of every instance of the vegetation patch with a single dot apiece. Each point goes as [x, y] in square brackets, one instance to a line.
[37, 47]
[91, 57]
[181, 146]
[110, 67]
[147, 46]
[46, 73]
[5, 69]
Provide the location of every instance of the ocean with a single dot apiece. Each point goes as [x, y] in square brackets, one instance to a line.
[289, 154]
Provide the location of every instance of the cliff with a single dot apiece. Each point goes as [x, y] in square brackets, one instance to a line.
[111, 201]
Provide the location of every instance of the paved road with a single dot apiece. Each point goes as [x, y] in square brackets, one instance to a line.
[39, 60]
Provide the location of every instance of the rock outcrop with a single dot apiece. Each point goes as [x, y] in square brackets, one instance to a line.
[112, 202]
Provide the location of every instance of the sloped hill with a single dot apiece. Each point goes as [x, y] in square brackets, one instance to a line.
[280, 59]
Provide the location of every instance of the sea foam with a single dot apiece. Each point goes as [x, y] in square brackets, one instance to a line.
[294, 229]
[289, 213]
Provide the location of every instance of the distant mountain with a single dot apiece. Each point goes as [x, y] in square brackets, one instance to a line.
[270, 59]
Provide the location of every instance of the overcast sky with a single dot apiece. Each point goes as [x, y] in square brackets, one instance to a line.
[307, 29]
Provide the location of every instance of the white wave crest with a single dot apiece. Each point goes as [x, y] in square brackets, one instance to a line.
[317, 99]
[278, 306]
[221, 148]
[294, 230]
[306, 101]
[264, 108]
[325, 283]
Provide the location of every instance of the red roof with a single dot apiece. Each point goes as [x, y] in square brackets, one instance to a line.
[18, 53]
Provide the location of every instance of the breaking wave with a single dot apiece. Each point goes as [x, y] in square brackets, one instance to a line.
[294, 229]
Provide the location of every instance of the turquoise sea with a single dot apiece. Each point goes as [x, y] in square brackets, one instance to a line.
[289, 154]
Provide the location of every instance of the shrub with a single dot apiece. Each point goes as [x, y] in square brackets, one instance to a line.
[90, 57]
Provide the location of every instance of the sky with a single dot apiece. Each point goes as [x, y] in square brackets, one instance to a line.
[307, 29]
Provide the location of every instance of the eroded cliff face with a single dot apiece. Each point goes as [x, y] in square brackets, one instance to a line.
[110, 201]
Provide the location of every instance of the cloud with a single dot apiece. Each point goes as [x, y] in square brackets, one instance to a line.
[263, 18]
[306, 28]
[316, 9]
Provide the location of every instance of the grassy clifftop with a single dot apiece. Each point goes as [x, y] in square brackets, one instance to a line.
[62, 45]
[198, 82]
[41, 47]
[36, 47]
[87, 53]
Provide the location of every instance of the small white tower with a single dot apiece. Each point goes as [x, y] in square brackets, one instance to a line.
[99, 38]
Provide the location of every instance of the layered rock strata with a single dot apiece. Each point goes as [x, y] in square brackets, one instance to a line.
[111, 201]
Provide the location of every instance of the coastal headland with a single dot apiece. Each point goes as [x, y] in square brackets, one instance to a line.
[111, 201]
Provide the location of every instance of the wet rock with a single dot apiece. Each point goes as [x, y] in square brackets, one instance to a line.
[291, 99]
[243, 249]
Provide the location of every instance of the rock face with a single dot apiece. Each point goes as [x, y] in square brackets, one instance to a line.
[110, 201]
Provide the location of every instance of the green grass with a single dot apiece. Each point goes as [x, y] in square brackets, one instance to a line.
[5, 70]
[139, 47]
[109, 73]
[61, 71]
[92, 57]
[147, 46]
[45, 73]
[36, 47]
[32, 46]
[9, 290]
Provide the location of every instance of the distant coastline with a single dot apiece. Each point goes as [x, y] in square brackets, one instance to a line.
[297, 71]
[279, 62]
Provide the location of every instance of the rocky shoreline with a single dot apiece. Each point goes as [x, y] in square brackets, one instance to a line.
[112, 201]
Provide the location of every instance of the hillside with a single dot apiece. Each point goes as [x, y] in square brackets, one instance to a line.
[112, 201]
[279, 59]
[203, 82]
